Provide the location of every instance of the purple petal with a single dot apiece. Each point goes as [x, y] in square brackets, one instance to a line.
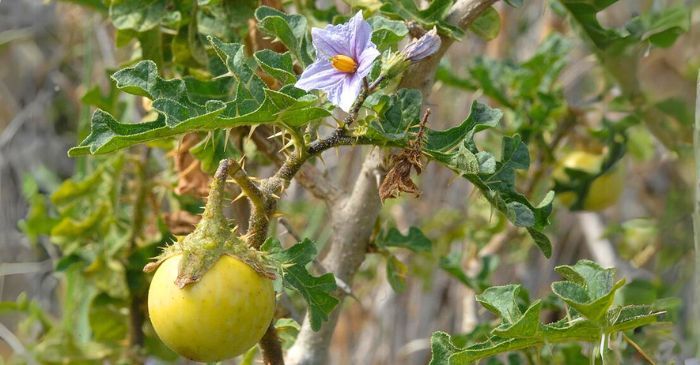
[320, 75]
[331, 42]
[350, 89]
[365, 62]
[361, 33]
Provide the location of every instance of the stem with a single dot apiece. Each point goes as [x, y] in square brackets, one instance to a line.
[696, 219]
[353, 217]
[213, 208]
[272, 347]
[638, 348]
[256, 197]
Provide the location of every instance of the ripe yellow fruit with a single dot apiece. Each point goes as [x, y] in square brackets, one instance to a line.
[219, 317]
[603, 192]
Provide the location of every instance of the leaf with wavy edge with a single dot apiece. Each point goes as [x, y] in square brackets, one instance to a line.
[179, 114]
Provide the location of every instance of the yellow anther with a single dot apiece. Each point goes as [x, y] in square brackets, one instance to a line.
[344, 63]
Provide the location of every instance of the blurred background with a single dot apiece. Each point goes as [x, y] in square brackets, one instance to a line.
[54, 53]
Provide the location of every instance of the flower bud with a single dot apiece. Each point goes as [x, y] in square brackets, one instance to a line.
[425, 46]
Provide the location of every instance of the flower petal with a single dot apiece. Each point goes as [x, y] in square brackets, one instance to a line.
[320, 75]
[365, 62]
[350, 89]
[361, 33]
[331, 41]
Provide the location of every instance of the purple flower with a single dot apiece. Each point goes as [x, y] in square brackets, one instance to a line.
[425, 46]
[344, 56]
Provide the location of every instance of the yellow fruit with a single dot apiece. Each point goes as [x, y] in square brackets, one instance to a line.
[219, 317]
[603, 192]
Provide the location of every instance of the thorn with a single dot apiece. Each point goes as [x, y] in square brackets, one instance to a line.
[241, 195]
[228, 134]
[227, 74]
[289, 144]
[323, 162]
[241, 164]
[278, 134]
[252, 130]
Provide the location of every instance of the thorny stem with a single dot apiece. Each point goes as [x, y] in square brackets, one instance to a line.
[216, 193]
[264, 198]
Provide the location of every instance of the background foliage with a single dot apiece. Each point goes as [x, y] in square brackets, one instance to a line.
[148, 96]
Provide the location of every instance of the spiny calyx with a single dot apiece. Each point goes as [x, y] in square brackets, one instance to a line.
[210, 240]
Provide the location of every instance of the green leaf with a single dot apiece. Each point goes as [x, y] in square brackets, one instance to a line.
[456, 149]
[109, 102]
[396, 272]
[519, 331]
[442, 348]
[585, 14]
[447, 76]
[493, 346]
[279, 66]
[291, 30]
[225, 19]
[186, 106]
[452, 264]
[316, 290]
[415, 240]
[107, 321]
[38, 221]
[480, 117]
[287, 330]
[501, 300]
[138, 15]
[487, 25]
[661, 28]
[597, 280]
[387, 33]
[579, 298]
[398, 117]
[432, 16]
[526, 326]
[633, 316]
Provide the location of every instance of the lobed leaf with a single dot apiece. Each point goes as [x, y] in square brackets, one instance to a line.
[501, 300]
[415, 240]
[316, 290]
[432, 16]
[387, 33]
[398, 122]
[186, 106]
[291, 30]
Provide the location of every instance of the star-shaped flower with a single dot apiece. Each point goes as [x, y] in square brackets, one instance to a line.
[344, 56]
